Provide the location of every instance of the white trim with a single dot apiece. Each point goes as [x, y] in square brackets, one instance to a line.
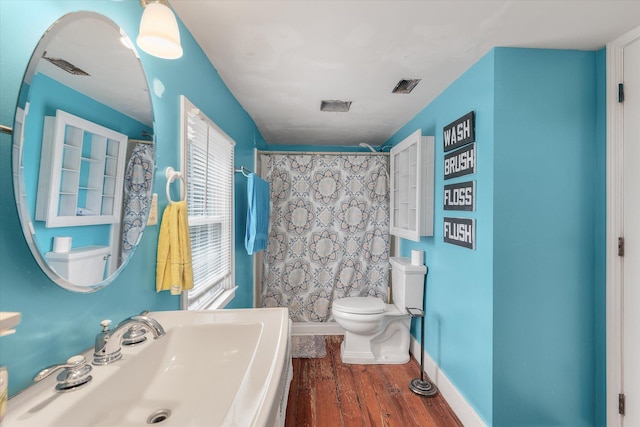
[223, 299]
[322, 153]
[463, 410]
[257, 258]
[316, 328]
[187, 109]
[615, 124]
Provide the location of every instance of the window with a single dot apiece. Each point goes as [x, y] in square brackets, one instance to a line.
[207, 159]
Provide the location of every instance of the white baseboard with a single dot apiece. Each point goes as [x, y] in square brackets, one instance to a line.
[316, 328]
[465, 412]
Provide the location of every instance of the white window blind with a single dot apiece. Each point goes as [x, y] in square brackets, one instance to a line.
[208, 162]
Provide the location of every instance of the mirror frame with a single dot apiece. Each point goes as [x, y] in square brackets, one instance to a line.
[24, 213]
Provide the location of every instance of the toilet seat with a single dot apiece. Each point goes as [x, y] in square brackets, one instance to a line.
[359, 305]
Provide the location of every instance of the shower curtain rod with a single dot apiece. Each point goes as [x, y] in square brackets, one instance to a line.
[330, 153]
[140, 141]
[6, 129]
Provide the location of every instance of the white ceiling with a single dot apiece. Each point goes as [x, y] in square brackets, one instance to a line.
[92, 43]
[281, 58]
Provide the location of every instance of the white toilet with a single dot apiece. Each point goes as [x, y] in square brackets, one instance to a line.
[375, 332]
[82, 266]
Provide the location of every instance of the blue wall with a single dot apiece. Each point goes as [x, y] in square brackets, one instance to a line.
[56, 323]
[518, 324]
[545, 157]
[45, 97]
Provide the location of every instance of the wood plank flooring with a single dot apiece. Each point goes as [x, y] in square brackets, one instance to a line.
[327, 393]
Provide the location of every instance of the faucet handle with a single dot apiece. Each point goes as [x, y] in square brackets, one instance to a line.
[72, 362]
[106, 323]
[75, 373]
[134, 335]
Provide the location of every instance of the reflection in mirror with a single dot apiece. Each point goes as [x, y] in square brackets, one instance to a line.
[83, 151]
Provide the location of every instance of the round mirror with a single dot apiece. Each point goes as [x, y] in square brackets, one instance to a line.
[83, 151]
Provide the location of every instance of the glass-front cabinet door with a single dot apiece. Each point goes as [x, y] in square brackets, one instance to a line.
[412, 181]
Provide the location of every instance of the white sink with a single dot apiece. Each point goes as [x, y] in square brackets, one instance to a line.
[212, 368]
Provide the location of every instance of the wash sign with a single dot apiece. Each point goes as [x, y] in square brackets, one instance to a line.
[460, 132]
[460, 196]
[460, 232]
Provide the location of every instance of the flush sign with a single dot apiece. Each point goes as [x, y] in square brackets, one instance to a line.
[460, 232]
[460, 196]
[460, 132]
[460, 162]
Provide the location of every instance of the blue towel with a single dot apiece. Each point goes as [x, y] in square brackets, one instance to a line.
[257, 214]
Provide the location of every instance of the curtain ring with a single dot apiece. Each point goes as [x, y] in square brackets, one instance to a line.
[171, 175]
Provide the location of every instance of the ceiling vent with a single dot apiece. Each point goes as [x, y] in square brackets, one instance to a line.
[335, 106]
[405, 85]
[65, 65]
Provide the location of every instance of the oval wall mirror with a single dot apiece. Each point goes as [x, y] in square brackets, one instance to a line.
[83, 151]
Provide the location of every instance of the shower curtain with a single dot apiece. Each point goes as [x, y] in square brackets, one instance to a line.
[137, 196]
[328, 231]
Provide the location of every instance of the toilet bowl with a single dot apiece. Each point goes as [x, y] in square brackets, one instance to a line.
[375, 332]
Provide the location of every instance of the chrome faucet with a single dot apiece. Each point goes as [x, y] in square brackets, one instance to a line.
[109, 342]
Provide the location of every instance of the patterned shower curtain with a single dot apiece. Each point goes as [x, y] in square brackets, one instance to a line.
[138, 182]
[328, 231]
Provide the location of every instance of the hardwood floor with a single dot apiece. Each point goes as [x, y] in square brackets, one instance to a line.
[327, 393]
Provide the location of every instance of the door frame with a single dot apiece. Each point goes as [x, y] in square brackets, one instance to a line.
[615, 142]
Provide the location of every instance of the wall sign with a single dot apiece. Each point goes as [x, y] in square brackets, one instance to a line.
[460, 162]
[460, 196]
[460, 132]
[460, 232]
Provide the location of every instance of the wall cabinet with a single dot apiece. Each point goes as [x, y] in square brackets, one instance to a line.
[81, 172]
[412, 181]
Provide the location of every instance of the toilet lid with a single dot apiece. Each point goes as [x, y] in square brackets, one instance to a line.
[359, 305]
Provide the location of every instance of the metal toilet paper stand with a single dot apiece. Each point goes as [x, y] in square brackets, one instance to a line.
[421, 386]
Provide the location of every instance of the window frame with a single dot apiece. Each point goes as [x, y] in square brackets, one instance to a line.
[222, 297]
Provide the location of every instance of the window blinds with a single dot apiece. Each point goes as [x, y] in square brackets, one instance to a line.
[209, 170]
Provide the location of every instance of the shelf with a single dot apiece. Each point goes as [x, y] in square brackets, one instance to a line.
[81, 164]
[89, 159]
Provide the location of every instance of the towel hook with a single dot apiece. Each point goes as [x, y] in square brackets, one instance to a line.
[171, 175]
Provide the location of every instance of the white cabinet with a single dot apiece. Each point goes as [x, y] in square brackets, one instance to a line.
[412, 187]
[81, 172]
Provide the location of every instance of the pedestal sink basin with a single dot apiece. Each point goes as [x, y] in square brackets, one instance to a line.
[212, 368]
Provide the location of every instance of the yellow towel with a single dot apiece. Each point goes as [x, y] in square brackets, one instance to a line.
[174, 271]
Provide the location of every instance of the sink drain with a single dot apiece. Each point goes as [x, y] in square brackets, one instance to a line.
[159, 416]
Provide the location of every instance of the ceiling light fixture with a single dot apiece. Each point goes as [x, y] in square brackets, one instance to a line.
[159, 35]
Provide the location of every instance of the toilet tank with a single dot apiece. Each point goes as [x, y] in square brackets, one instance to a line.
[407, 283]
[83, 266]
